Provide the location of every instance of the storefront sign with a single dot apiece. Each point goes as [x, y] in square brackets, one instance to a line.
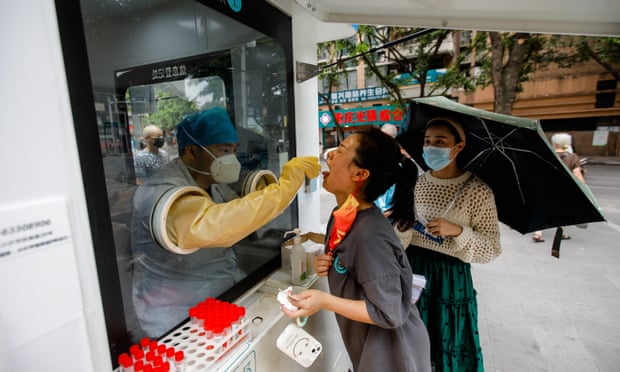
[375, 115]
[356, 95]
[376, 93]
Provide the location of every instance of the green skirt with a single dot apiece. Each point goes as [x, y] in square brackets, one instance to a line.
[449, 309]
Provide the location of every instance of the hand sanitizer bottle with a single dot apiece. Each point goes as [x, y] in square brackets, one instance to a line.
[298, 260]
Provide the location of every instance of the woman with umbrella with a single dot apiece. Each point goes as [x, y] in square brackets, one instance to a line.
[446, 222]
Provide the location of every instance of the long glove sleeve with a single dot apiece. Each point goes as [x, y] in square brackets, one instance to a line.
[198, 222]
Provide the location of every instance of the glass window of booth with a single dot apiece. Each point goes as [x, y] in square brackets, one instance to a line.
[153, 63]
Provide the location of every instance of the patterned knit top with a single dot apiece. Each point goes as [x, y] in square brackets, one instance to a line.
[465, 200]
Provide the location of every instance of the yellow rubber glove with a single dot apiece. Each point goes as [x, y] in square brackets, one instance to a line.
[198, 222]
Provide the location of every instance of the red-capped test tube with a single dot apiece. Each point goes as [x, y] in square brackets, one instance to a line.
[179, 361]
[138, 366]
[145, 342]
[136, 352]
[170, 355]
[126, 362]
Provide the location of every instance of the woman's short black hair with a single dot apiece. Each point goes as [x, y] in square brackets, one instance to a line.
[380, 154]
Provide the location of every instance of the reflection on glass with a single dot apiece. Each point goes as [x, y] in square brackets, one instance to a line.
[165, 104]
[233, 67]
[165, 284]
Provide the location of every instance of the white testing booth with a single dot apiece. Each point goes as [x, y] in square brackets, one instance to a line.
[84, 78]
[80, 79]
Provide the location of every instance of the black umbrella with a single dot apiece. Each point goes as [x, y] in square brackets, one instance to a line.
[533, 188]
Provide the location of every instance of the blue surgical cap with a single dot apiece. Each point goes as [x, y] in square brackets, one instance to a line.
[209, 127]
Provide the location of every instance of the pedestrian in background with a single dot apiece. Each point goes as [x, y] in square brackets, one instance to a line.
[562, 144]
[152, 157]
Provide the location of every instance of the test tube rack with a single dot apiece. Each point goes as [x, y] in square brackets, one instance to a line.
[152, 356]
[215, 327]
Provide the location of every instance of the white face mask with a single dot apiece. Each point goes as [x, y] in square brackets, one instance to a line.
[225, 169]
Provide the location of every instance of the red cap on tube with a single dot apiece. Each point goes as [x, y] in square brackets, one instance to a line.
[179, 356]
[145, 342]
[138, 366]
[125, 360]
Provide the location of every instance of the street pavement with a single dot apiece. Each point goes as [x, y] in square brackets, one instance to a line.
[541, 313]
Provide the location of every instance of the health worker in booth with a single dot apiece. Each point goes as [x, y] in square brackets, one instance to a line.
[182, 230]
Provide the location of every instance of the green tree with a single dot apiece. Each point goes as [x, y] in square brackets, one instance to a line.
[334, 52]
[506, 60]
[503, 60]
[171, 109]
[511, 63]
[566, 51]
[415, 66]
[397, 57]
